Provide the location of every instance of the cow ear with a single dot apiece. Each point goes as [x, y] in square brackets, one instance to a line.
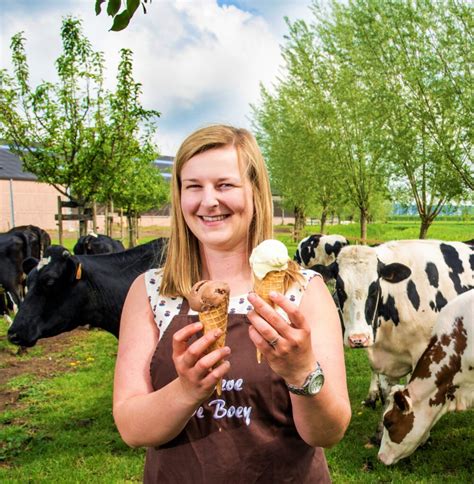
[29, 264]
[73, 268]
[394, 272]
[403, 401]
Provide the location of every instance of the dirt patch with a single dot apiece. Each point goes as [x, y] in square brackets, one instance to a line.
[47, 365]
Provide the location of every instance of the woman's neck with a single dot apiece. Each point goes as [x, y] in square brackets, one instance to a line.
[230, 267]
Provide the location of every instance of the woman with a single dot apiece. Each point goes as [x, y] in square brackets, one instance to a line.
[257, 430]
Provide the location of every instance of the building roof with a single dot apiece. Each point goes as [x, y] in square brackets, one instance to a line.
[11, 167]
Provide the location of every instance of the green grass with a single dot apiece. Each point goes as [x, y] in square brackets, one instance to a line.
[379, 232]
[64, 431]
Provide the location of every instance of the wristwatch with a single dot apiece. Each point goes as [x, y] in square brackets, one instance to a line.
[312, 385]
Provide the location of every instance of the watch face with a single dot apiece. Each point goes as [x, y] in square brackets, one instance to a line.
[315, 384]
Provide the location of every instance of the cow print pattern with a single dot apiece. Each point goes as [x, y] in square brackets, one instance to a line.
[165, 308]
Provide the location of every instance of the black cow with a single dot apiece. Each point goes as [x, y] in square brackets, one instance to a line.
[66, 291]
[16, 245]
[97, 244]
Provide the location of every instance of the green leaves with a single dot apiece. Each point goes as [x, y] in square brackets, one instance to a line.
[122, 19]
[89, 143]
[113, 7]
[381, 91]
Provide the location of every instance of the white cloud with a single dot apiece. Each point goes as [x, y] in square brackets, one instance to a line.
[198, 62]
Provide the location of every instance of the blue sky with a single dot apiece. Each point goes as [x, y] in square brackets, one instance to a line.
[199, 61]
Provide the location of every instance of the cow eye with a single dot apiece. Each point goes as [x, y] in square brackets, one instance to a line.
[48, 282]
[387, 423]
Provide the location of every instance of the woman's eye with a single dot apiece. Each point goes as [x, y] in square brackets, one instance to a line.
[191, 187]
[225, 186]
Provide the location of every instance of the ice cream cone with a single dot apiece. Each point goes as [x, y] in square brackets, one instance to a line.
[211, 301]
[273, 281]
[216, 318]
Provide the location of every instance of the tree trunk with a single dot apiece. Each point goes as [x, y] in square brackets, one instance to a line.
[106, 217]
[82, 223]
[110, 219]
[137, 228]
[425, 225]
[324, 216]
[121, 224]
[130, 229]
[363, 225]
[94, 217]
[300, 222]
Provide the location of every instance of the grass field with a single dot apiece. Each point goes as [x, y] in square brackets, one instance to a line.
[57, 425]
[61, 429]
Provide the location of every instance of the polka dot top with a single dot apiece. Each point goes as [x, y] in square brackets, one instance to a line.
[165, 308]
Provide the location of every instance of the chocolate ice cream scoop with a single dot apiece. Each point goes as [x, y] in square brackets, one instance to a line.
[206, 295]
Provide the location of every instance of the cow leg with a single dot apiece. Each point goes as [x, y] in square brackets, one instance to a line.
[385, 385]
[374, 391]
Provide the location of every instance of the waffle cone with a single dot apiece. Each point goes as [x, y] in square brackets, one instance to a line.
[273, 281]
[216, 318]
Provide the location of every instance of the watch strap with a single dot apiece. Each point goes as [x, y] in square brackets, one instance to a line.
[304, 390]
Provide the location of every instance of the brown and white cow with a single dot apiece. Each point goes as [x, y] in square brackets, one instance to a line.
[443, 381]
[390, 297]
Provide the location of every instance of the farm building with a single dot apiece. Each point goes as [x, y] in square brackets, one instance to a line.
[24, 200]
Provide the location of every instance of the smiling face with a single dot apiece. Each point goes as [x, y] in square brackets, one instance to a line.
[216, 199]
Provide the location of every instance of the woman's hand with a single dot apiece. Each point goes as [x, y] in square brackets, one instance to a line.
[195, 369]
[286, 347]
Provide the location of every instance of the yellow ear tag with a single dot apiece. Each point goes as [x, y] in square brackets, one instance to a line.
[79, 271]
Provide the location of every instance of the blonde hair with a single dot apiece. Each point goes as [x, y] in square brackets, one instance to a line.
[182, 267]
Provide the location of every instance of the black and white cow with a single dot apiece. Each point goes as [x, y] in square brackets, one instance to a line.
[66, 291]
[16, 245]
[390, 297]
[443, 381]
[318, 251]
[97, 244]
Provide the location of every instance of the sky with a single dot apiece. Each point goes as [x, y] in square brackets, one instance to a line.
[199, 61]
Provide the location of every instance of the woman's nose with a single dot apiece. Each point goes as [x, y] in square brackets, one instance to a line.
[209, 198]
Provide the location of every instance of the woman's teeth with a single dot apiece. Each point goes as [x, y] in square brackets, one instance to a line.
[215, 218]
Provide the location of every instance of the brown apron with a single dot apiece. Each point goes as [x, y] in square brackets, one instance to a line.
[246, 435]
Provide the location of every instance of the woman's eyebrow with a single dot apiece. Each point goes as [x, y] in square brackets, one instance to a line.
[221, 179]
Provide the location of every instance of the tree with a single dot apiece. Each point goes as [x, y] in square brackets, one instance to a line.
[414, 60]
[74, 135]
[121, 19]
[140, 188]
[343, 112]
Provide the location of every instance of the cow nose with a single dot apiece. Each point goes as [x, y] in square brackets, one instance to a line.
[384, 458]
[358, 341]
[13, 338]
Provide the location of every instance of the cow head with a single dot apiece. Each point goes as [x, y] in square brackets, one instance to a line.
[53, 289]
[406, 425]
[318, 251]
[358, 273]
[14, 248]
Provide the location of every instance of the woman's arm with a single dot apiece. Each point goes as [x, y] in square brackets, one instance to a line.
[150, 418]
[314, 335]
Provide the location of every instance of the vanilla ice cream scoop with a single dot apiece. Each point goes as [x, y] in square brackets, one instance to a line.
[270, 255]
